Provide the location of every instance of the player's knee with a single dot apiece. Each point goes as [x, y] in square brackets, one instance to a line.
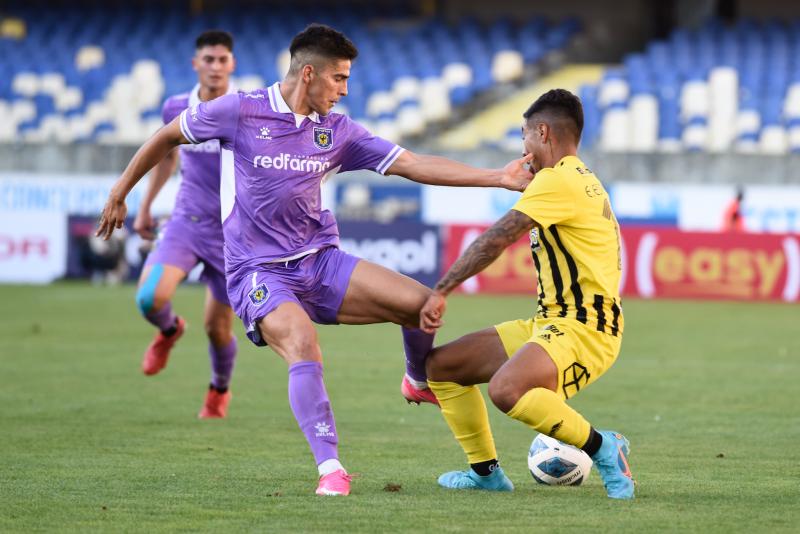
[437, 368]
[148, 297]
[504, 393]
[298, 345]
[218, 331]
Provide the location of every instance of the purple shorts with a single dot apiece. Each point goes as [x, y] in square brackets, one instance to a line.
[317, 282]
[183, 243]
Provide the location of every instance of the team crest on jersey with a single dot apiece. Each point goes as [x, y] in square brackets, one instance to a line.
[259, 294]
[323, 138]
[535, 238]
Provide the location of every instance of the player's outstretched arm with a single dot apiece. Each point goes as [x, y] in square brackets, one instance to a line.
[479, 255]
[436, 170]
[150, 153]
[144, 224]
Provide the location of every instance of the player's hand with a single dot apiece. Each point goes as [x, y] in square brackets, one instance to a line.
[516, 174]
[144, 225]
[430, 317]
[113, 216]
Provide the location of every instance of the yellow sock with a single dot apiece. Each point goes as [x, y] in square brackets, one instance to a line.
[544, 411]
[464, 410]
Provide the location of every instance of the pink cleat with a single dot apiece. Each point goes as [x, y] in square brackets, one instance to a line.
[336, 483]
[413, 394]
[155, 358]
[216, 405]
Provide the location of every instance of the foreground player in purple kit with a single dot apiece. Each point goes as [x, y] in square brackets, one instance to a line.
[283, 265]
[193, 234]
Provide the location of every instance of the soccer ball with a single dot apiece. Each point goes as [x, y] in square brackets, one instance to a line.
[557, 464]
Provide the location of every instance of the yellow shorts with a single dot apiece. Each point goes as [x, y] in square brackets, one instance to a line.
[580, 353]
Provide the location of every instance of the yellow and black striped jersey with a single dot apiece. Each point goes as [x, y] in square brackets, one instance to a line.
[576, 246]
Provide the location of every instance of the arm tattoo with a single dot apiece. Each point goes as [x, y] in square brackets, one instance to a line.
[486, 249]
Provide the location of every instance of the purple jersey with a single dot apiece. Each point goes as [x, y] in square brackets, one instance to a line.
[273, 162]
[198, 196]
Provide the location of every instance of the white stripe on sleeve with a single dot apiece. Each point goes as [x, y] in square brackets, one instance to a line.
[185, 128]
[390, 158]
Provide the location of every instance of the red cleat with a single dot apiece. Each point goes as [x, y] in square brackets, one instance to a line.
[216, 405]
[336, 483]
[156, 355]
[415, 395]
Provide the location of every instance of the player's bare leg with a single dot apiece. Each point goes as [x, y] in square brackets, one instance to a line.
[290, 333]
[376, 294]
[218, 322]
[157, 285]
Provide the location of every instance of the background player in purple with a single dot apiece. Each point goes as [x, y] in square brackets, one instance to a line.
[282, 261]
[193, 233]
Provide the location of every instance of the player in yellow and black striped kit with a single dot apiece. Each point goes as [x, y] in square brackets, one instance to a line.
[534, 365]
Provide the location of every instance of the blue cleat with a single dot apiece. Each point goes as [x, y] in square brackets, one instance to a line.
[612, 462]
[497, 481]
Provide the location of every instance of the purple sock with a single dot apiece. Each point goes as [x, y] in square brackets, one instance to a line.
[417, 345]
[222, 360]
[312, 409]
[162, 319]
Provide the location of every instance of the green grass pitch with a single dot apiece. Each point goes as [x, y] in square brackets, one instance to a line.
[706, 392]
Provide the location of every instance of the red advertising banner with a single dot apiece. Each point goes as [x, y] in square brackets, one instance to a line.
[669, 263]
[661, 263]
[512, 272]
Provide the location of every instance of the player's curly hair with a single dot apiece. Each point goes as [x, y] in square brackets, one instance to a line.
[214, 37]
[559, 105]
[323, 41]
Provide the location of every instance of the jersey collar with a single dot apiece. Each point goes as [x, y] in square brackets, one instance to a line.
[194, 95]
[279, 105]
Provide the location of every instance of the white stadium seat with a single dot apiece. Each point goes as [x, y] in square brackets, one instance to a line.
[26, 84]
[794, 138]
[381, 102]
[97, 112]
[774, 140]
[614, 134]
[694, 99]
[69, 98]
[89, 57]
[748, 122]
[151, 126]
[387, 129]
[410, 120]
[507, 65]
[643, 123]
[51, 83]
[80, 126]
[8, 128]
[668, 145]
[282, 62]
[248, 83]
[434, 100]
[613, 91]
[746, 146]
[406, 88]
[723, 87]
[22, 110]
[792, 103]
[148, 84]
[695, 137]
[457, 75]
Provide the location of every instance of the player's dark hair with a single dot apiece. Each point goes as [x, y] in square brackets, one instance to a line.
[561, 106]
[213, 38]
[322, 41]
